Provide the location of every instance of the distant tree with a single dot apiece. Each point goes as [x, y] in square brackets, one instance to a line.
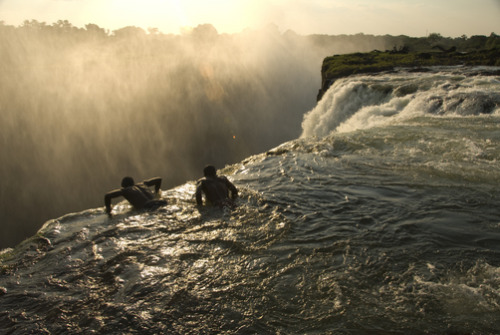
[290, 34]
[205, 32]
[63, 26]
[129, 32]
[476, 42]
[493, 41]
[33, 25]
[5, 28]
[153, 31]
[95, 30]
[435, 38]
[272, 29]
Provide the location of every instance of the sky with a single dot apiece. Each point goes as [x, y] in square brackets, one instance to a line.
[418, 18]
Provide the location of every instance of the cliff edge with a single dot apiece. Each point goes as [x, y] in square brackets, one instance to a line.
[340, 66]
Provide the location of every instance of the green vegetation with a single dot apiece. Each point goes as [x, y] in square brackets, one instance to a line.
[375, 61]
[479, 51]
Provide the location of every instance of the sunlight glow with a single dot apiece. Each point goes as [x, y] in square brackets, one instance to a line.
[176, 15]
[333, 17]
[180, 13]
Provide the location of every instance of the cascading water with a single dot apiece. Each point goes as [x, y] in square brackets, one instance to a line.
[382, 217]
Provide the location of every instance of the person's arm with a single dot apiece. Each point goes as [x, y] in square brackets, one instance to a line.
[232, 188]
[108, 197]
[199, 200]
[156, 182]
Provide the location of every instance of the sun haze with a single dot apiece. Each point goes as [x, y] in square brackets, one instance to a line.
[169, 16]
[333, 17]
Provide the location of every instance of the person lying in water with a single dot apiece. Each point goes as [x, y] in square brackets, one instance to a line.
[138, 195]
[216, 189]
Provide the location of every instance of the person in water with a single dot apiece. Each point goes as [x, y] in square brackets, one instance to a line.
[216, 189]
[139, 195]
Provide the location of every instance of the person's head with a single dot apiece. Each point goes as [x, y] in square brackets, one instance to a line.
[127, 182]
[210, 171]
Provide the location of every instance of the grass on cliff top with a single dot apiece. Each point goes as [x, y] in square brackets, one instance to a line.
[344, 65]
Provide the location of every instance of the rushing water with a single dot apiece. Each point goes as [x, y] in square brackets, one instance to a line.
[382, 218]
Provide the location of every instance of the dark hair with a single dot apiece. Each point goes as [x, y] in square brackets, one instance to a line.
[127, 181]
[210, 171]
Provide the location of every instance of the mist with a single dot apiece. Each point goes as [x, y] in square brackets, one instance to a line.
[82, 107]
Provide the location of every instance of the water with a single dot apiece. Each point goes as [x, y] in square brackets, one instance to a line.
[382, 217]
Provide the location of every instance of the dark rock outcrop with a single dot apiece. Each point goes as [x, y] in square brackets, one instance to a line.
[340, 66]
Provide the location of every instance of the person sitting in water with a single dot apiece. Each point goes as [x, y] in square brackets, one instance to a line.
[139, 195]
[215, 188]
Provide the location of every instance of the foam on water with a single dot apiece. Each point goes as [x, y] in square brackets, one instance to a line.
[389, 223]
[364, 101]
